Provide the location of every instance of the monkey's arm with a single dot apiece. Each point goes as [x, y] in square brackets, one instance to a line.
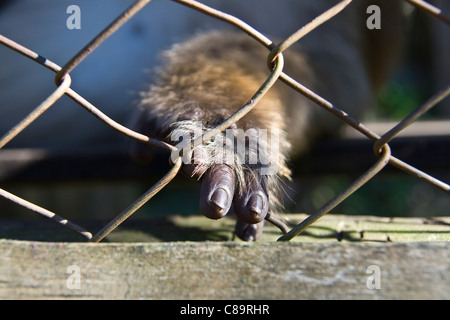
[203, 82]
[206, 79]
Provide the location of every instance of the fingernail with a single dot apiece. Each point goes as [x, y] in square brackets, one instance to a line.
[255, 204]
[220, 198]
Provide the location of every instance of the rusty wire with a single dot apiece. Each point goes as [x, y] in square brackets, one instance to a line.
[431, 9]
[102, 36]
[275, 63]
[63, 80]
[358, 183]
[138, 203]
[46, 213]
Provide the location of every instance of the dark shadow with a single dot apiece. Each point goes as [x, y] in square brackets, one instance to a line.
[164, 229]
[134, 230]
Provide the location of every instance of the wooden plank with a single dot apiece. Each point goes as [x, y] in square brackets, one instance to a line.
[224, 270]
[151, 259]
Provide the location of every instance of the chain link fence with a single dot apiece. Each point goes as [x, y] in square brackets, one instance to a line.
[381, 145]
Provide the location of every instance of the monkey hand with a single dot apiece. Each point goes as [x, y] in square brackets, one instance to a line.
[238, 171]
[239, 168]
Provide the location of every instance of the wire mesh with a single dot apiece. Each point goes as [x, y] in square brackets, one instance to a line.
[275, 63]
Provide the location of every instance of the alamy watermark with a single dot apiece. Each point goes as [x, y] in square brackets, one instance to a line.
[258, 148]
[74, 20]
[374, 280]
[374, 20]
[73, 282]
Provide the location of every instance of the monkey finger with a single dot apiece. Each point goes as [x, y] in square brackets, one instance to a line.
[248, 232]
[252, 205]
[217, 191]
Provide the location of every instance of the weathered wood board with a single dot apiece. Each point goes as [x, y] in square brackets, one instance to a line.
[212, 270]
[373, 260]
